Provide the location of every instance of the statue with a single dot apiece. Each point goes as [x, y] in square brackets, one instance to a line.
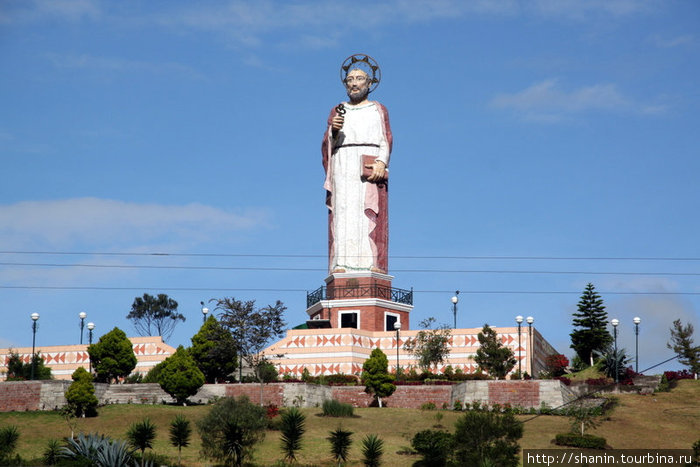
[356, 149]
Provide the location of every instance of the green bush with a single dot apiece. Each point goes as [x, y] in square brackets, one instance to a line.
[434, 446]
[487, 437]
[80, 395]
[9, 436]
[180, 376]
[292, 428]
[428, 406]
[231, 430]
[576, 440]
[334, 408]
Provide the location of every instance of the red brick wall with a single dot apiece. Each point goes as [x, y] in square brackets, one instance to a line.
[272, 393]
[409, 397]
[515, 393]
[20, 396]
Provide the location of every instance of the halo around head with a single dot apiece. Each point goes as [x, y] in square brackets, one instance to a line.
[365, 63]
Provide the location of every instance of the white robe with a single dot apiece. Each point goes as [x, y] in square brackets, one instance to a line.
[363, 124]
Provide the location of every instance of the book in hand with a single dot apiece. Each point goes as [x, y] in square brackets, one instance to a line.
[367, 171]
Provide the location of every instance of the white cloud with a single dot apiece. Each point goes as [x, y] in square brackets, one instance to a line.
[120, 65]
[546, 101]
[581, 10]
[40, 10]
[674, 41]
[100, 222]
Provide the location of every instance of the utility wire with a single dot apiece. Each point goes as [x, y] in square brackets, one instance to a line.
[246, 255]
[259, 268]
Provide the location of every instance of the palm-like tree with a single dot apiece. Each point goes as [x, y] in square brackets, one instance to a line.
[372, 450]
[180, 432]
[141, 435]
[292, 429]
[340, 444]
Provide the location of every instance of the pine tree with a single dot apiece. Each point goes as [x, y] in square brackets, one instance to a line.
[214, 350]
[376, 377]
[682, 344]
[590, 322]
[492, 356]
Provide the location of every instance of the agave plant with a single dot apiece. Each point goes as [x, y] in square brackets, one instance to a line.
[99, 450]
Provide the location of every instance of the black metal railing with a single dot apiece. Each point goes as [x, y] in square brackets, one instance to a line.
[360, 291]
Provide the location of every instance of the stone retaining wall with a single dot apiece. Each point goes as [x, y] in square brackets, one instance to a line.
[49, 395]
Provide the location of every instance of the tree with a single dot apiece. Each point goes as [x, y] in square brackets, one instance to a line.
[340, 444]
[492, 356]
[231, 429]
[682, 344]
[482, 436]
[434, 445]
[141, 435]
[112, 356]
[372, 450]
[430, 346]
[80, 395]
[180, 376]
[17, 370]
[180, 432]
[292, 428]
[590, 326]
[252, 328]
[9, 437]
[214, 351]
[376, 377]
[155, 315]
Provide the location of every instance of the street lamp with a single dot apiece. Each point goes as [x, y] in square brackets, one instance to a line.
[614, 323]
[35, 318]
[82, 316]
[205, 310]
[530, 354]
[519, 320]
[636, 320]
[90, 327]
[454, 307]
[397, 326]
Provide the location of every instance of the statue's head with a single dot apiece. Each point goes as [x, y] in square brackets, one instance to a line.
[357, 84]
[360, 74]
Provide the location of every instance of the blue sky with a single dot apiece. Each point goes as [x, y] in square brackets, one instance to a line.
[539, 146]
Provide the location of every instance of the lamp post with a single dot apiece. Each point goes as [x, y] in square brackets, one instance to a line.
[636, 320]
[35, 318]
[397, 326]
[90, 327]
[205, 310]
[614, 323]
[530, 320]
[82, 316]
[519, 320]
[455, 299]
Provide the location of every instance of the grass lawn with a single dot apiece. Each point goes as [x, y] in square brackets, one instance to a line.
[664, 420]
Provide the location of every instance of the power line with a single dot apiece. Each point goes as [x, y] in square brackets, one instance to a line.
[290, 269]
[228, 289]
[282, 255]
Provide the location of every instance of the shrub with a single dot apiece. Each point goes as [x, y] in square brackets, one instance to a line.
[52, 452]
[9, 436]
[556, 364]
[428, 406]
[487, 437]
[341, 379]
[678, 375]
[141, 435]
[433, 445]
[334, 408]
[80, 395]
[457, 405]
[180, 376]
[231, 429]
[372, 450]
[602, 381]
[564, 379]
[292, 429]
[664, 385]
[340, 444]
[576, 440]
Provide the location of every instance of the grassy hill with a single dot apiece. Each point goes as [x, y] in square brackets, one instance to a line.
[664, 420]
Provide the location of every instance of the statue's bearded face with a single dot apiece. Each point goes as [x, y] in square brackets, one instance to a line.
[357, 85]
